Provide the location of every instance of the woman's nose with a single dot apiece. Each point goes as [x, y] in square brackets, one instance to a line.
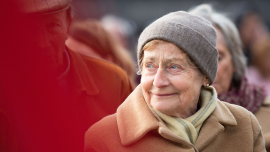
[161, 79]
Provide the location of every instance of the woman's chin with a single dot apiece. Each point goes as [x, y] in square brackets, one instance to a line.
[164, 108]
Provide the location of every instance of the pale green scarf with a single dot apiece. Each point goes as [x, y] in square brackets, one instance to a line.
[189, 128]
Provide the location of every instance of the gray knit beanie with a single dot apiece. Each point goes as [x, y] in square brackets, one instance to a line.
[193, 34]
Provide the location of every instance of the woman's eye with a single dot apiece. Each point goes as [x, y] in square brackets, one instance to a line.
[149, 66]
[174, 67]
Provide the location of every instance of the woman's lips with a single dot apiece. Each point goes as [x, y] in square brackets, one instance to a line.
[164, 95]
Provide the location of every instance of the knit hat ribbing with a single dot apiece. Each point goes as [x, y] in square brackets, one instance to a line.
[193, 34]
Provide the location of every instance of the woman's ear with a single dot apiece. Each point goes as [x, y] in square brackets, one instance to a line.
[206, 81]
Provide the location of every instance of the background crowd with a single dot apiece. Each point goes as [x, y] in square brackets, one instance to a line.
[109, 30]
[125, 21]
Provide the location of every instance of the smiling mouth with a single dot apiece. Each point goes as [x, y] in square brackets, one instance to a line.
[163, 95]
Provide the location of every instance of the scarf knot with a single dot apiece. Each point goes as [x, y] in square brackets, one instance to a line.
[189, 128]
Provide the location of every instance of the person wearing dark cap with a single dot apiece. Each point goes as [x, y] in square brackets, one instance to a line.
[175, 108]
[55, 94]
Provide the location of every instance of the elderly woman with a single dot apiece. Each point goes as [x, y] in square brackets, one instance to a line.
[231, 83]
[175, 108]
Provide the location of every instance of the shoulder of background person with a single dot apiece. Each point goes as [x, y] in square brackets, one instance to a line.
[104, 64]
[108, 75]
[98, 67]
[267, 141]
[263, 115]
[106, 68]
[266, 102]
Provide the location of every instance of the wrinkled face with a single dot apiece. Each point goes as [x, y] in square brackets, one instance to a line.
[48, 34]
[169, 83]
[225, 66]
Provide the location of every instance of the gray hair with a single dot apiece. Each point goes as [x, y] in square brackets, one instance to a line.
[231, 36]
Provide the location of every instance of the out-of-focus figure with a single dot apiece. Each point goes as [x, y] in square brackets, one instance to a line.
[259, 72]
[252, 30]
[119, 28]
[89, 38]
[231, 83]
[50, 94]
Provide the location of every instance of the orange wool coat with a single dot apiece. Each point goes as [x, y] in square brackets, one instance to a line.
[56, 121]
[230, 128]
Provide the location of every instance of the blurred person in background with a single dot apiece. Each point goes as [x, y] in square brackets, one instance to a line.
[174, 108]
[231, 82]
[120, 28]
[252, 29]
[50, 95]
[259, 72]
[89, 38]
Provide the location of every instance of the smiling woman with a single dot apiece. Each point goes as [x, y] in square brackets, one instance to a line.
[175, 108]
[169, 82]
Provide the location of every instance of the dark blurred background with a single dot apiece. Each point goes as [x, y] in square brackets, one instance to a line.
[139, 13]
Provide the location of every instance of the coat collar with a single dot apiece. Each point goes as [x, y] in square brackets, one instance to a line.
[81, 74]
[214, 125]
[134, 120]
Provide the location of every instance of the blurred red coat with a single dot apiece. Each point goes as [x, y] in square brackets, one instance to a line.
[46, 116]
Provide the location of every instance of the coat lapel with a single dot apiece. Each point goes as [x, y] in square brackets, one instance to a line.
[134, 119]
[214, 125]
[82, 75]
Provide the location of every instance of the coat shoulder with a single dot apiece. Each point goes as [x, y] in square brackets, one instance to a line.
[244, 119]
[236, 109]
[241, 115]
[95, 63]
[100, 134]
[103, 125]
[241, 128]
[102, 69]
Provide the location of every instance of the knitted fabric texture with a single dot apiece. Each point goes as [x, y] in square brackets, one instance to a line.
[193, 34]
[247, 95]
[189, 128]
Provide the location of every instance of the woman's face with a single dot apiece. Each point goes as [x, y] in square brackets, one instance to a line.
[170, 85]
[225, 65]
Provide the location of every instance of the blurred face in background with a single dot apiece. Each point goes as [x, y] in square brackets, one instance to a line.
[226, 67]
[169, 83]
[48, 34]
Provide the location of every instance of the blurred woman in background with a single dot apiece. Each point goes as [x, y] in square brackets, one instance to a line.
[259, 72]
[89, 38]
[231, 83]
